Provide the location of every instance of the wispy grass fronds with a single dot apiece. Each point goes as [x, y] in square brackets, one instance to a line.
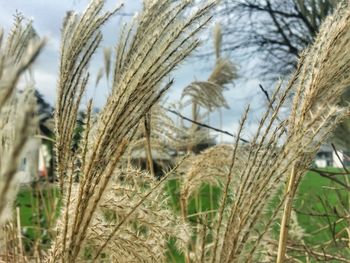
[113, 212]
[143, 222]
[18, 124]
[107, 59]
[143, 237]
[80, 38]
[17, 54]
[209, 167]
[159, 39]
[147, 195]
[209, 94]
[206, 94]
[219, 165]
[16, 110]
[9, 243]
[230, 185]
[319, 81]
[165, 136]
[282, 149]
[324, 76]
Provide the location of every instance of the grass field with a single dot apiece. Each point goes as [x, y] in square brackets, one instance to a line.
[38, 209]
[314, 208]
[38, 212]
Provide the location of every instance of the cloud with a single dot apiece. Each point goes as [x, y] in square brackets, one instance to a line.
[248, 132]
[47, 21]
[45, 82]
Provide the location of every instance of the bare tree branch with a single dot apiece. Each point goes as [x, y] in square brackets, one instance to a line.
[204, 125]
[273, 32]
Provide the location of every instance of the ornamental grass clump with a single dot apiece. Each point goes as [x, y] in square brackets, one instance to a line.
[283, 149]
[155, 42]
[17, 54]
[150, 47]
[112, 211]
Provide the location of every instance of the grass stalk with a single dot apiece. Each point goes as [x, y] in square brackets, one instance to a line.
[287, 210]
[19, 233]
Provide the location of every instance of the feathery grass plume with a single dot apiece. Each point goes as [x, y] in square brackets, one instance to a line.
[17, 128]
[143, 237]
[80, 38]
[231, 185]
[165, 136]
[99, 77]
[160, 40]
[148, 223]
[324, 76]
[209, 94]
[213, 166]
[17, 54]
[16, 110]
[209, 167]
[107, 55]
[9, 243]
[258, 182]
[321, 77]
[145, 197]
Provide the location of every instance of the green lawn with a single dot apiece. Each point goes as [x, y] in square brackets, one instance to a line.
[317, 201]
[310, 198]
[38, 210]
[39, 207]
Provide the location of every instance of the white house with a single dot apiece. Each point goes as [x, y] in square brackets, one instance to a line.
[326, 157]
[35, 162]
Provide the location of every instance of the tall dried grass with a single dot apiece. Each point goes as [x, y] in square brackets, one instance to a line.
[149, 49]
[282, 149]
[113, 212]
[16, 108]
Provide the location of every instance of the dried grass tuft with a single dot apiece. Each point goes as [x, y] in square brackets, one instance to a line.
[16, 107]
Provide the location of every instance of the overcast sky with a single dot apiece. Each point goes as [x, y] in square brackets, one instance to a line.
[47, 16]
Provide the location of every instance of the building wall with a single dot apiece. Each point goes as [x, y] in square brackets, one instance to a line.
[336, 162]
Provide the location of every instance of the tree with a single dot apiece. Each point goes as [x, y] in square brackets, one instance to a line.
[273, 32]
[45, 113]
